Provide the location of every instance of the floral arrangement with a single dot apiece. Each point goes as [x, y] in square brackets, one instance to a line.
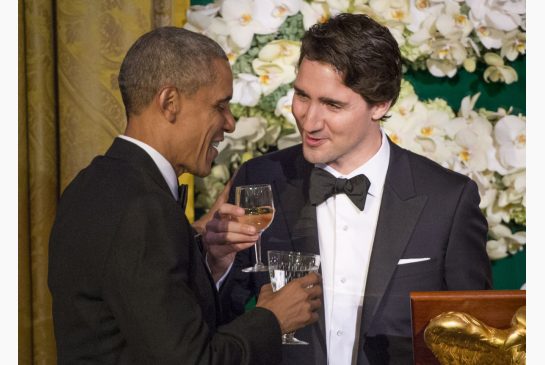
[262, 41]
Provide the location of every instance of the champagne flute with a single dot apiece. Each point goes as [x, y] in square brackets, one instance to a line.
[257, 201]
[284, 266]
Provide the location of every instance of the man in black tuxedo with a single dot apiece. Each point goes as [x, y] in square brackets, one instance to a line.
[128, 278]
[384, 220]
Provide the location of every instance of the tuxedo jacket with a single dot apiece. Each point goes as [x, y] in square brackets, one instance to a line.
[128, 281]
[427, 211]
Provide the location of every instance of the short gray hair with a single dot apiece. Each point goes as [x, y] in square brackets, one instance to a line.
[166, 56]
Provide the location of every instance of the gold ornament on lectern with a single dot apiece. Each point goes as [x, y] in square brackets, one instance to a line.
[458, 338]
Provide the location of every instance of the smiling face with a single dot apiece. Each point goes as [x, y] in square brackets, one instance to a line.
[338, 127]
[204, 117]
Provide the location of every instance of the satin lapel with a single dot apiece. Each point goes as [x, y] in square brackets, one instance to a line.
[300, 219]
[399, 213]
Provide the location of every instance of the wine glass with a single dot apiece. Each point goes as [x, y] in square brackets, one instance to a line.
[284, 266]
[257, 201]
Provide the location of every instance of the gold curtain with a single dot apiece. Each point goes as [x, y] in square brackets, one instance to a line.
[70, 110]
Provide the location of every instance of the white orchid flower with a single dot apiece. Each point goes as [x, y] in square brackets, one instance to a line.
[445, 58]
[496, 249]
[239, 16]
[407, 99]
[283, 107]
[362, 7]
[420, 11]
[510, 135]
[339, 5]
[505, 15]
[272, 13]
[397, 10]
[246, 90]
[452, 23]
[497, 71]
[510, 197]
[272, 134]
[220, 173]
[513, 45]
[249, 129]
[200, 17]
[314, 12]
[281, 50]
[488, 197]
[473, 151]
[503, 238]
[220, 32]
[248, 133]
[401, 129]
[467, 117]
[505, 74]
[490, 38]
[246, 18]
[496, 214]
[397, 30]
[273, 74]
[516, 187]
[430, 133]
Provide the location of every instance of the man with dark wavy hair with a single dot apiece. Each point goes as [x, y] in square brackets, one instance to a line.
[384, 220]
[127, 276]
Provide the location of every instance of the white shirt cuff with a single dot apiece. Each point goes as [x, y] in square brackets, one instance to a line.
[219, 283]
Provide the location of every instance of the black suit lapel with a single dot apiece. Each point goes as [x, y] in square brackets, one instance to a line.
[399, 213]
[299, 215]
[300, 219]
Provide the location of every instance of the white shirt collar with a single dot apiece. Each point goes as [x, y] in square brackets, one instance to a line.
[162, 164]
[375, 168]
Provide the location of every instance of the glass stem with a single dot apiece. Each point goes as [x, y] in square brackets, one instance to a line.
[258, 251]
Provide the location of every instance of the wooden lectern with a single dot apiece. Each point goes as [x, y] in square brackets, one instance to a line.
[494, 307]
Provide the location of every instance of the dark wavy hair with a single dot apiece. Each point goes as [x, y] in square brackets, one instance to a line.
[166, 56]
[364, 52]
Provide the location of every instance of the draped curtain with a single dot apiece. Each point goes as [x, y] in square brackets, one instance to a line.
[70, 110]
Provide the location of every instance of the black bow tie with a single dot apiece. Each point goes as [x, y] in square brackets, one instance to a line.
[182, 195]
[323, 185]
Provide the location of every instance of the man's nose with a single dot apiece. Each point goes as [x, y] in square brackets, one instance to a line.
[229, 125]
[312, 119]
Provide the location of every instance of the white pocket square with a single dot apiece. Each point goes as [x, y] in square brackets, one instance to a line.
[410, 261]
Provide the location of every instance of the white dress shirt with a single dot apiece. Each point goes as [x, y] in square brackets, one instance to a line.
[346, 237]
[162, 164]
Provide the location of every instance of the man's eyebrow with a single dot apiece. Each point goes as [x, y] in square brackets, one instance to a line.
[299, 91]
[224, 100]
[323, 99]
[330, 101]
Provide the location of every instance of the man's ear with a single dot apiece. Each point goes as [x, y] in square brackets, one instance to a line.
[169, 103]
[380, 109]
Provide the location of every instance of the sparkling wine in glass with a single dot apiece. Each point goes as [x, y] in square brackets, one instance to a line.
[284, 266]
[257, 201]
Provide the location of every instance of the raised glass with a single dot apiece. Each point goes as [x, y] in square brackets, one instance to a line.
[285, 266]
[257, 201]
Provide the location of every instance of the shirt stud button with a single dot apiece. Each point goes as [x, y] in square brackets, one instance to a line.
[339, 333]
